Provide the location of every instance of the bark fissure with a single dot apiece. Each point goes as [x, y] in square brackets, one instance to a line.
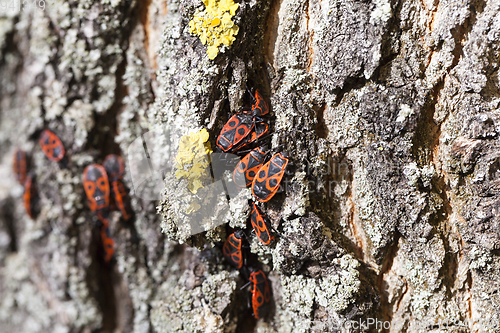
[311, 36]
[271, 30]
[405, 91]
[385, 307]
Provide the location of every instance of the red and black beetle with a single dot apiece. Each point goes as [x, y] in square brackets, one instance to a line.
[234, 131]
[121, 198]
[107, 242]
[232, 249]
[259, 106]
[51, 146]
[95, 182]
[240, 125]
[20, 166]
[247, 168]
[115, 168]
[260, 129]
[261, 225]
[267, 181]
[30, 196]
[261, 294]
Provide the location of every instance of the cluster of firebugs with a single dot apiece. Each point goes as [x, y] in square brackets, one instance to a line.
[105, 190]
[103, 185]
[244, 132]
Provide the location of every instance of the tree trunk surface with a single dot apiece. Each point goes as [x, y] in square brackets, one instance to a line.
[390, 216]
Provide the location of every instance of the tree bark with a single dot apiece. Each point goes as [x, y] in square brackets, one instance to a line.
[390, 216]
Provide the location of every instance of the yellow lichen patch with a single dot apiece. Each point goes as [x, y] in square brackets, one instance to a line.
[193, 207]
[193, 159]
[214, 25]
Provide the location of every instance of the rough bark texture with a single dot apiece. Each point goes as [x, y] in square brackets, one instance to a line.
[390, 110]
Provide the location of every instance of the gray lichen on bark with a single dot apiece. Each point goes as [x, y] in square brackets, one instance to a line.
[389, 110]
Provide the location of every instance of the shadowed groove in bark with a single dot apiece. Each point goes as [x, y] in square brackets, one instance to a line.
[385, 308]
[98, 278]
[449, 269]
[145, 19]
[321, 128]
[10, 45]
[392, 34]
[107, 297]
[461, 33]
[107, 123]
[271, 30]
[469, 301]
[111, 298]
[358, 237]
[7, 217]
[310, 39]
[430, 21]
[10, 48]
[350, 84]
[357, 231]
[292, 102]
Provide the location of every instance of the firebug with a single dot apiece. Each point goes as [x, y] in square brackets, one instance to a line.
[51, 146]
[247, 168]
[95, 182]
[121, 198]
[115, 168]
[261, 294]
[267, 181]
[20, 166]
[259, 106]
[232, 249]
[260, 129]
[235, 130]
[261, 225]
[107, 242]
[30, 196]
